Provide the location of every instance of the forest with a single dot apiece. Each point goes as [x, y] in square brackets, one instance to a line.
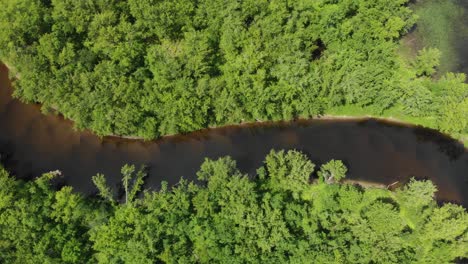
[291, 211]
[148, 68]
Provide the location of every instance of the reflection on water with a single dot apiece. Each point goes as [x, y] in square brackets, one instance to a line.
[31, 143]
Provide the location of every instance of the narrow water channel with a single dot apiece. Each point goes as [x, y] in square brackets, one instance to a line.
[32, 143]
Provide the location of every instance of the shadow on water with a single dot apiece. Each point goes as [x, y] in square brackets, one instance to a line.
[374, 150]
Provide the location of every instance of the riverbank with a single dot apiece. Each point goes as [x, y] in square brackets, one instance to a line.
[336, 114]
[366, 184]
[241, 219]
[333, 114]
[394, 115]
[349, 112]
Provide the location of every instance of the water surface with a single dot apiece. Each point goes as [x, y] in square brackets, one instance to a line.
[32, 143]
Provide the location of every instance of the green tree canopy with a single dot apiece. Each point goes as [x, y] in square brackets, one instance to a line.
[279, 215]
[150, 68]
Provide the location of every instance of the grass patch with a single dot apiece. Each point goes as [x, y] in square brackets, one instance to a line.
[438, 25]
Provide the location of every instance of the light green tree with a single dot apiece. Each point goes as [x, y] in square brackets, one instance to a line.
[131, 182]
[332, 171]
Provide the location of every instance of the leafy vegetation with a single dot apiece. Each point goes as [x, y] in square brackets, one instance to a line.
[279, 215]
[149, 68]
[155, 67]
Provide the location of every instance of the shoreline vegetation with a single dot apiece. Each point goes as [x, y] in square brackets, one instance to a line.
[334, 114]
[278, 215]
[120, 71]
[155, 68]
[462, 139]
[355, 113]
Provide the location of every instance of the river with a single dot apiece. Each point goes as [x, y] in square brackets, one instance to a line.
[376, 151]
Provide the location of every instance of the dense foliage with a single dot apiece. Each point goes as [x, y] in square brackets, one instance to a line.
[278, 216]
[155, 67]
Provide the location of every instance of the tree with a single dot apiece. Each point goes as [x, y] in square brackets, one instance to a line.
[157, 67]
[104, 191]
[41, 225]
[427, 61]
[451, 93]
[131, 182]
[332, 171]
[132, 189]
[231, 217]
[286, 171]
[416, 199]
[443, 235]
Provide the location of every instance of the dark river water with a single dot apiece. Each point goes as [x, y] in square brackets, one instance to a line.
[32, 143]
